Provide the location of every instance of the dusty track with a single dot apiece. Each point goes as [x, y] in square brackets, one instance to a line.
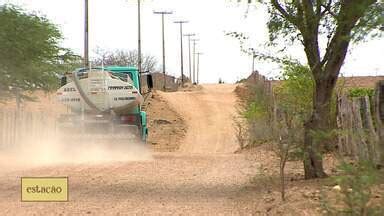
[204, 177]
[208, 113]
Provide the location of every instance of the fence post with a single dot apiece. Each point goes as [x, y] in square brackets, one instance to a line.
[359, 133]
[370, 133]
[379, 110]
[345, 120]
[342, 138]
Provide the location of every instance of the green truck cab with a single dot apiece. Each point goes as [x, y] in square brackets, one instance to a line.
[133, 73]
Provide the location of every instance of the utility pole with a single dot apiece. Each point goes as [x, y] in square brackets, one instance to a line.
[163, 38]
[194, 65]
[139, 42]
[181, 50]
[253, 63]
[189, 54]
[198, 66]
[86, 35]
[253, 59]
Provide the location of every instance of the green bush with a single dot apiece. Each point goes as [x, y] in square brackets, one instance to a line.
[293, 96]
[295, 93]
[361, 92]
[256, 111]
[355, 194]
[257, 106]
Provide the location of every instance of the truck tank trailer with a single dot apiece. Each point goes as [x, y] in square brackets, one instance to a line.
[105, 105]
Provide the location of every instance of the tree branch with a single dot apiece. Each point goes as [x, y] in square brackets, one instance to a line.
[310, 32]
[299, 11]
[308, 9]
[318, 7]
[350, 13]
[327, 8]
[291, 18]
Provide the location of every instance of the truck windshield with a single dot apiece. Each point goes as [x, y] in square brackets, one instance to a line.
[126, 77]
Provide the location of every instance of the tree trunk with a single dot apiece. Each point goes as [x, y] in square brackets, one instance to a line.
[282, 177]
[316, 128]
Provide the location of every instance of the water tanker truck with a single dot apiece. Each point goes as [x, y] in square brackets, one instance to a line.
[104, 103]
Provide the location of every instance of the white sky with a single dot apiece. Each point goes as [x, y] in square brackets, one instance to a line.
[113, 25]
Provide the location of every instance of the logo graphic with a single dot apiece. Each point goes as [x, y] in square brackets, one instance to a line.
[44, 189]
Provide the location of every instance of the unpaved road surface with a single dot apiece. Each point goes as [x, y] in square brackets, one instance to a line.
[209, 114]
[203, 178]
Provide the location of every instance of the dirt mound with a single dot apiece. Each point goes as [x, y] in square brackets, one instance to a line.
[242, 92]
[166, 127]
[188, 87]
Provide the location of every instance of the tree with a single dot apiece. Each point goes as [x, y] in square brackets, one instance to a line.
[30, 54]
[294, 96]
[325, 29]
[128, 58]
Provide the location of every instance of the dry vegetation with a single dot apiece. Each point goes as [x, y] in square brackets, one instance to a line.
[354, 187]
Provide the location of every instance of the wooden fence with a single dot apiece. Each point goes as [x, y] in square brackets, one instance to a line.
[19, 127]
[360, 121]
[360, 124]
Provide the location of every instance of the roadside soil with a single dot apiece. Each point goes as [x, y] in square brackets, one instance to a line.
[166, 127]
[208, 113]
[194, 173]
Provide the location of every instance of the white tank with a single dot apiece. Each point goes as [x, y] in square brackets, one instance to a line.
[99, 91]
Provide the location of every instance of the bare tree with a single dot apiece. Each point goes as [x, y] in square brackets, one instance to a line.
[124, 58]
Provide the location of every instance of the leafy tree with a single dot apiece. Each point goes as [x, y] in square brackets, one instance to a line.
[325, 29]
[295, 94]
[30, 54]
[121, 57]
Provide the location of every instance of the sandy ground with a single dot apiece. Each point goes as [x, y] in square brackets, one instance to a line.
[208, 113]
[203, 178]
[167, 128]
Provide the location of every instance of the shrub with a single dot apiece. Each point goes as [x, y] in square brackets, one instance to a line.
[295, 94]
[361, 92]
[355, 191]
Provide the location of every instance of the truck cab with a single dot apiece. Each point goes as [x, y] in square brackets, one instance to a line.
[137, 117]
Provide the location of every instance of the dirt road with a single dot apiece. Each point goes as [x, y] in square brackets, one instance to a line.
[203, 178]
[208, 114]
